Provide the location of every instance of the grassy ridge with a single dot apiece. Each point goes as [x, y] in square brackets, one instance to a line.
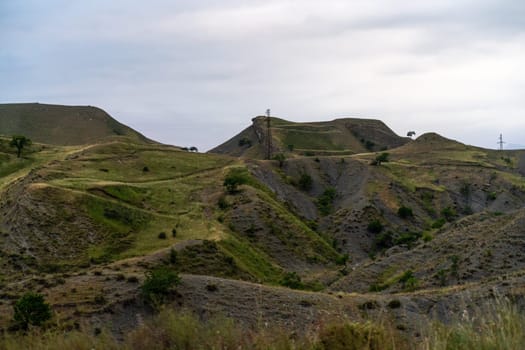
[62, 125]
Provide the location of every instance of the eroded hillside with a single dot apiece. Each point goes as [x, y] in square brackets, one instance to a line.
[426, 224]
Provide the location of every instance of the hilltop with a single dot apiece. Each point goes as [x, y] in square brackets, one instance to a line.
[62, 125]
[337, 137]
[327, 231]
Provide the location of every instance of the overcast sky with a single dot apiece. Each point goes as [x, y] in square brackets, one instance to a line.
[193, 73]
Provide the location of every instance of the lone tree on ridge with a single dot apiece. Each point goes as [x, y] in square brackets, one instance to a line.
[19, 142]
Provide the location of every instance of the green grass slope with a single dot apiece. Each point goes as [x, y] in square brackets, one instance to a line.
[61, 125]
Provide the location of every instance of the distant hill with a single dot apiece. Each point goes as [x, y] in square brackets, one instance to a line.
[62, 125]
[336, 137]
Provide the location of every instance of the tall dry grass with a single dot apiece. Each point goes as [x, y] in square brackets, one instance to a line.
[497, 325]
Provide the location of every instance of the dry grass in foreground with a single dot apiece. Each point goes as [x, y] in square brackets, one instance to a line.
[499, 325]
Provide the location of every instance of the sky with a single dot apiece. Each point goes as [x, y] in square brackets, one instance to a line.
[194, 73]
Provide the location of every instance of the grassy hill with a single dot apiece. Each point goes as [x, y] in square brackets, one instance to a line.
[331, 237]
[336, 137]
[61, 125]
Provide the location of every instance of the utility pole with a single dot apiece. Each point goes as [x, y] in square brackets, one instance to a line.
[268, 135]
[500, 142]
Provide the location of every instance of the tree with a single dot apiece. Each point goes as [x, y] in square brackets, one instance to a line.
[305, 182]
[405, 212]
[193, 149]
[381, 158]
[235, 178]
[19, 142]
[31, 309]
[158, 283]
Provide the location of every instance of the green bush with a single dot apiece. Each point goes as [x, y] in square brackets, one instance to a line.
[31, 309]
[158, 284]
[408, 238]
[439, 223]
[381, 158]
[384, 240]
[342, 259]
[305, 182]
[245, 142]
[409, 281]
[405, 212]
[173, 256]
[235, 178]
[223, 203]
[448, 213]
[375, 226]
[292, 280]
[325, 201]
[491, 196]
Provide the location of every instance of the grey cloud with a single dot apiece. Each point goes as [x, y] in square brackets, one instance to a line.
[172, 67]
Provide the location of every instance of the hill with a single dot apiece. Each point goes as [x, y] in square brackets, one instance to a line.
[334, 237]
[337, 137]
[61, 125]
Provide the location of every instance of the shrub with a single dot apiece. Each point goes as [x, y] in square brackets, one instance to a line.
[145, 169]
[132, 279]
[162, 235]
[448, 213]
[375, 226]
[394, 304]
[235, 178]
[405, 212]
[305, 182]
[408, 238]
[223, 203]
[245, 142]
[381, 158]
[325, 201]
[31, 309]
[439, 223]
[342, 259]
[173, 256]
[442, 276]
[292, 280]
[211, 287]
[409, 281]
[491, 196]
[158, 283]
[100, 299]
[384, 240]
[291, 148]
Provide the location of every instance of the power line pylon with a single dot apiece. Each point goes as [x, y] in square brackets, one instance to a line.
[501, 142]
[268, 136]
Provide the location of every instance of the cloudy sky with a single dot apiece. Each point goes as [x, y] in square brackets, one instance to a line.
[195, 72]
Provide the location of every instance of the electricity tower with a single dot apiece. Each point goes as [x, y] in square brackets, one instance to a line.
[268, 136]
[501, 142]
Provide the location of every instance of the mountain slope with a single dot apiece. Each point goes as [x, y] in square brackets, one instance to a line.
[81, 222]
[62, 125]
